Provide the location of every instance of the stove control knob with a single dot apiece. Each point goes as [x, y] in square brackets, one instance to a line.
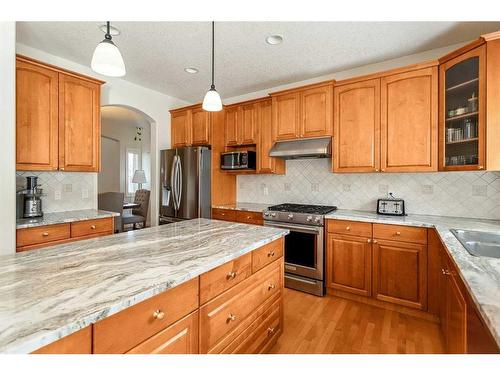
[317, 219]
[273, 214]
[290, 216]
[266, 213]
[309, 218]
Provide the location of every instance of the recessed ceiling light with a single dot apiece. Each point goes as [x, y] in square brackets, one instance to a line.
[274, 39]
[191, 70]
[112, 30]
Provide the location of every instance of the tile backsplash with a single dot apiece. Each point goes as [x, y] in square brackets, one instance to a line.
[462, 194]
[63, 191]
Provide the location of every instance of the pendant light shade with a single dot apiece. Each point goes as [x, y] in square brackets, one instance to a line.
[212, 101]
[107, 59]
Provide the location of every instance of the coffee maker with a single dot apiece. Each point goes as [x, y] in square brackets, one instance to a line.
[29, 200]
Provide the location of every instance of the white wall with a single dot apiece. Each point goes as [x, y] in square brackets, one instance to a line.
[7, 140]
[120, 91]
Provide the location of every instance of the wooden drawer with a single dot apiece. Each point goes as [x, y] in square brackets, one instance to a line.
[267, 254]
[255, 338]
[400, 233]
[222, 278]
[221, 214]
[179, 338]
[226, 312]
[40, 235]
[126, 329]
[91, 227]
[79, 342]
[353, 228]
[248, 217]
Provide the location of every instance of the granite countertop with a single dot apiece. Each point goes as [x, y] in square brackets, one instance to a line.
[64, 217]
[244, 206]
[481, 275]
[46, 295]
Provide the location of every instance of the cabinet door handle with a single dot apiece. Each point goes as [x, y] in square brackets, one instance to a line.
[231, 275]
[271, 287]
[230, 318]
[398, 233]
[348, 228]
[383, 169]
[270, 254]
[369, 240]
[375, 241]
[270, 331]
[158, 314]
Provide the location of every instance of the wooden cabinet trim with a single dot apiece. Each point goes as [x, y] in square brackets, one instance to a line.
[322, 116]
[200, 131]
[401, 233]
[351, 228]
[292, 130]
[267, 254]
[223, 214]
[302, 88]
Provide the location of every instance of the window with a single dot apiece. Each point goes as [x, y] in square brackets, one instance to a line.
[133, 164]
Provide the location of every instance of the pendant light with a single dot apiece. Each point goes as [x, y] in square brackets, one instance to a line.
[212, 101]
[107, 59]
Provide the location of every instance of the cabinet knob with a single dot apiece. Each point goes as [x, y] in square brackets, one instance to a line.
[92, 226]
[45, 234]
[369, 240]
[270, 254]
[383, 169]
[375, 241]
[445, 272]
[231, 318]
[398, 233]
[377, 170]
[348, 228]
[62, 168]
[270, 331]
[158, 314]
[480, 167]
[271, 287]
[231, 275]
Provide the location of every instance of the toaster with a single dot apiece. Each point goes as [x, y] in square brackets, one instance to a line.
[391, 206]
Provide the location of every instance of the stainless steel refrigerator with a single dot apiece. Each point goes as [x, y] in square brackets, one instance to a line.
[185, 189]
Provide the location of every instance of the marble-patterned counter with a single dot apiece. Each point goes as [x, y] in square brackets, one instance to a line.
[46, 295]
[64, 217]
[244, 206]
[481, 275]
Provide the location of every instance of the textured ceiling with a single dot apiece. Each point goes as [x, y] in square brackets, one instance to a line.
[156, 53]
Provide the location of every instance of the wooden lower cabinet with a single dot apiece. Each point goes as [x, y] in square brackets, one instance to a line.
[79, 342]
[239, 216]
[179, 338]
[349, 264]
[400, 273]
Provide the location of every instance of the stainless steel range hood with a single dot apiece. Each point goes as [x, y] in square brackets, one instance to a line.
[301, 149]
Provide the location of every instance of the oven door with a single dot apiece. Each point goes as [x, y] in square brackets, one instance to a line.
[303, 249]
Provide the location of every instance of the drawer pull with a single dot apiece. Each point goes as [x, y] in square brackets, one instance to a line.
[369, 240]
[348, 228]
[230, 318]
[249, 217]
[398, 233]
[231, 275]
[92, 226]
[158, 314]
[271, 287]
[270, 254]
[45, 234]
[270, 331]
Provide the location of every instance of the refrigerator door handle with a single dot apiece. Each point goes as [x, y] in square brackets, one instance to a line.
[179, 177]
[173, 181]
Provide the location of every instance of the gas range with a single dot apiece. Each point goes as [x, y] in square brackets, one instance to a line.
[307, 214]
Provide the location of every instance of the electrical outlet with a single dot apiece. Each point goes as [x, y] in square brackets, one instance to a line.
[266, 191]
[314, 186]
[427, 189]
[85, 193]
[68, 188]
[57, 195]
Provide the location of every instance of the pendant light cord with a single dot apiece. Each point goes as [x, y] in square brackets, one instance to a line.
[213, 54]
[108, 35]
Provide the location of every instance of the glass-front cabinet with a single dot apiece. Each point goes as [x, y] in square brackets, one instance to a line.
[462, 115]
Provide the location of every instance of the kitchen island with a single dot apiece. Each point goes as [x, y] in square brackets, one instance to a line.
[50, 294]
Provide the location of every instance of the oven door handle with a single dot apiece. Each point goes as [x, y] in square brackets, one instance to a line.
[294, 227]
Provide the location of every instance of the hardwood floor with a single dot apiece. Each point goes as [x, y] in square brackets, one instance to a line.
[335, 325]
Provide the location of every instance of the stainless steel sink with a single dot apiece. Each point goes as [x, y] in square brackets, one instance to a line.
[481, 244]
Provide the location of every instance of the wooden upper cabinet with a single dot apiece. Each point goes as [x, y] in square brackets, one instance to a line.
[357, 127]
[231, 126]
[180, 128]
[265, 163]
[409, 115]
[462, 140]
[200, 134]
[303, 113]
[36, 117]
[286, 116]
[316, 109]
[247, 126]
[79, 124]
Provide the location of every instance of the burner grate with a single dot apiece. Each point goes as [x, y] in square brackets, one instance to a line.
[303, 208]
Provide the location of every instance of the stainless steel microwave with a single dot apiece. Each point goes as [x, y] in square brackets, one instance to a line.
[238, 160]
